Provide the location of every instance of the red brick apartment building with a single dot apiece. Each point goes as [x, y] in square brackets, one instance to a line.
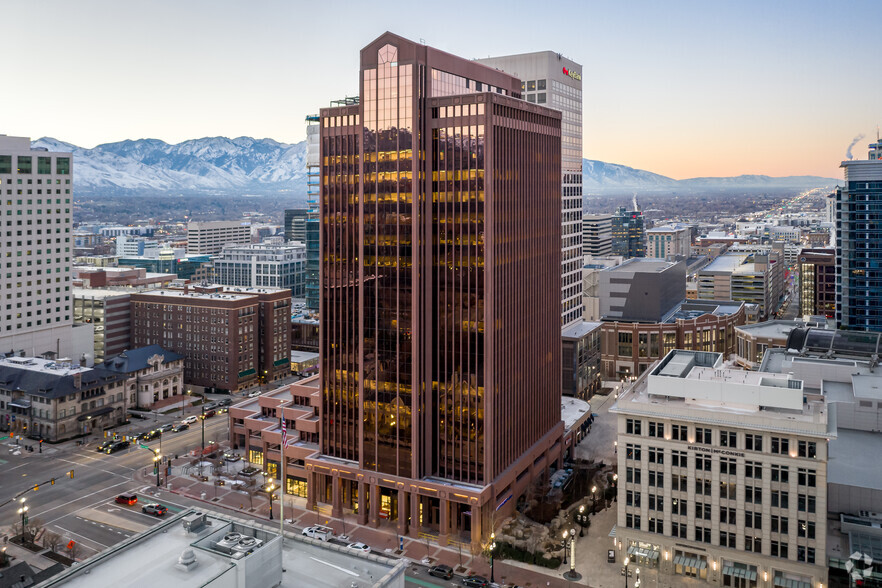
[232, 338]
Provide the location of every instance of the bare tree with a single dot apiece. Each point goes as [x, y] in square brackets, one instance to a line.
[51, 540]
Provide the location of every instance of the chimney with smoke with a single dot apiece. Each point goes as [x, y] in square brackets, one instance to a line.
[854, 141]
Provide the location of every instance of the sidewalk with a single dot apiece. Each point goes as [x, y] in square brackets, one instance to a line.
[383, 539]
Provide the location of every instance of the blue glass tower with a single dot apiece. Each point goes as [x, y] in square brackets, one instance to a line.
[859, 244]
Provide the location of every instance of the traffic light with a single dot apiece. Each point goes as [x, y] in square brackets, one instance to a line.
[36, 487]
[52, 482]
[70, 473]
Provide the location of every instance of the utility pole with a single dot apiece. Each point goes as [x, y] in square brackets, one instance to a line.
[202, 453]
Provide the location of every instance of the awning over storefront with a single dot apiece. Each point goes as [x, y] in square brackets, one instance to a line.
[739, 573]
[20, 403]
[640, 552]
[689, 562]
[788, 583]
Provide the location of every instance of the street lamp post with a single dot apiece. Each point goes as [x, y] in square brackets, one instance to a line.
[581, 518]
[23, 511]
[270, 490]
[492, 547]
[627, 561]
[202, 453]
[156, 464]
[572, 575]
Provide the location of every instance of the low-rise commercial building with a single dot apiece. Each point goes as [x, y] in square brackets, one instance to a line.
[580, 356]
[232, 338]
[817, 282]
[723, 474]
[209, 237]
[263, 265]
[108, 311]
[58, 400]
[754, 278]
[645, 314]
[152, 372]
[670, 242]
[119, 277]
[207, 549]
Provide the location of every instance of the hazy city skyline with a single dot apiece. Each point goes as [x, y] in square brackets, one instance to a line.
[686, 89]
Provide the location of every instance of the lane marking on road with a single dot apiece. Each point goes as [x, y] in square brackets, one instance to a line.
[16, 467]
[93, 467]
[80, 498]
[83, 537]
[329, 564]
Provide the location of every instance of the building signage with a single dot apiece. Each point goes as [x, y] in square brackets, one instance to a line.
[714, 450]
[572, 74]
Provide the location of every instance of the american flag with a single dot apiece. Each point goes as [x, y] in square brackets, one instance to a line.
[284, 433]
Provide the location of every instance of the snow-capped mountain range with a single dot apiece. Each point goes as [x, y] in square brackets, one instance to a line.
[244, 165]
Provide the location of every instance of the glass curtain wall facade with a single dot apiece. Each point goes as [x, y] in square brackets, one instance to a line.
[440, 232]
[859, 246]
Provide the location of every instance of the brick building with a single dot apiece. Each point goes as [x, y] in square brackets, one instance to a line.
[231, 338]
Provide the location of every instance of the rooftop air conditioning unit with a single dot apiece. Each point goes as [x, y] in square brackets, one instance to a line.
[194, 523]
[247, 544]
[230, 540]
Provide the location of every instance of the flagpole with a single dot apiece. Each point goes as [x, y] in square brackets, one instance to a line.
[282, 481]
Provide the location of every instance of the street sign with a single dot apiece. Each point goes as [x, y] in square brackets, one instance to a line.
[142, 446]
[70, 544]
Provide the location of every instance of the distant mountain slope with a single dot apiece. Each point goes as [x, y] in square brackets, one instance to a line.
[218, 165]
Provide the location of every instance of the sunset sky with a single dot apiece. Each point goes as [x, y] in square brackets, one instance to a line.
[679, 88]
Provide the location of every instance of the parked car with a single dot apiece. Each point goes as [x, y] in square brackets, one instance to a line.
[117, 446]
[360, 547]
[180, 427]
[253, 394]
[230, 456]
[441, 571]
[318, 532]
[474, 581]
[127, 499]
[103, 447]
[154, 509]
[192, 419]
[165, 428]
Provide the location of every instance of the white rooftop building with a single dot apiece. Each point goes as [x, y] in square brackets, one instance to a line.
[209, 550]
[723, 474]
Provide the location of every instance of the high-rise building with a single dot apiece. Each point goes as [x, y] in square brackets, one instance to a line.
[440, 289]
[209, 237]
[295, 224]
[859, 244]
[313, 132]
[550, 79]
[35, 238]
[817, 282]
[261, 265]
[628, 234]
[232, 338]
[597, 235]
[671, 242]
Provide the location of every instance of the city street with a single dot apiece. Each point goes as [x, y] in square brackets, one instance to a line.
[82, 509]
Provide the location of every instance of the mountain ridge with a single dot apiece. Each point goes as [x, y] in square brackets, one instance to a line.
[245, 165]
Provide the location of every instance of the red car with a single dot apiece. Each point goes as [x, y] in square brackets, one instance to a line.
[127, 499]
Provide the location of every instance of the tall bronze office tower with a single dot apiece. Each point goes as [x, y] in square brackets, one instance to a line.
[440, 294]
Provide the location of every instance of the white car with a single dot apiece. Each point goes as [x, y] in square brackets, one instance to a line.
[190, 420]
[253, 394]
[359, 547]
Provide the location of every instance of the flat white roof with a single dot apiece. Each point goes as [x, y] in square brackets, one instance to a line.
[46, 366]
